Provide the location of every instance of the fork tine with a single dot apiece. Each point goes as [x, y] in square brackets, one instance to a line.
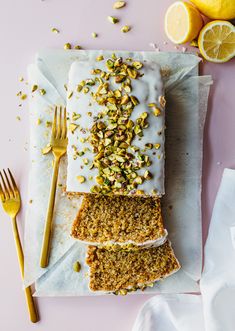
[10, 190]
[7, 195]
[58, 135]
[54, 125]
[15, 188]
[2, 195]
[64, 129]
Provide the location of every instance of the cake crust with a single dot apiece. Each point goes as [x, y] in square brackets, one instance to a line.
[115, 270]
[119, 219]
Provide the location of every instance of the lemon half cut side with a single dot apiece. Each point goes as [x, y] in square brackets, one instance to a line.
[217, 41]
[182, 22]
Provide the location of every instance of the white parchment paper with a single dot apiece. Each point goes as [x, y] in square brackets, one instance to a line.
[186, 95]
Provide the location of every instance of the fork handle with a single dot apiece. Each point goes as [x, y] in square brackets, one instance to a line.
[45, 252]
[28, 294]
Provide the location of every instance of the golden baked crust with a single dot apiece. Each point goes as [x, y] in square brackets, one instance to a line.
[112, 270]
[119, 219]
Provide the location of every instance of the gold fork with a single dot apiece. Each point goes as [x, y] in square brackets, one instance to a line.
[59, 144]
[11, 202]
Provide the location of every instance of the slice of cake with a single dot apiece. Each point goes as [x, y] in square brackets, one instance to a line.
[119, 220]
[115, 270]
[116, 133]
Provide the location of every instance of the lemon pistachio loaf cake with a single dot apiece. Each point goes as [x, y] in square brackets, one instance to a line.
[116, 132]
[104, 219]
[119, 269]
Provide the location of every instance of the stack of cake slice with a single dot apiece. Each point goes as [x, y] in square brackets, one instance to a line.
[116, 159]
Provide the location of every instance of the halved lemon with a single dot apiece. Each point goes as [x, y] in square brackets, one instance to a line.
[217, 41]
[182, 22]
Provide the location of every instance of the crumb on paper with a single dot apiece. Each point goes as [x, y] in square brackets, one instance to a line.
[21, 79]
[67, 46]
[18, 118]
[55, 30]
[76, 266]
[94, 35]
[23, 96]
[112, 19]
[31, 201]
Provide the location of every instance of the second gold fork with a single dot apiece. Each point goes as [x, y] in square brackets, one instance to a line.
[59, 144]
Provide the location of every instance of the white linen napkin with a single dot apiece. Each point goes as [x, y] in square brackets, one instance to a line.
[214, 309]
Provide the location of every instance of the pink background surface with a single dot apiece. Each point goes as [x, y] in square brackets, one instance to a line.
[25, 28]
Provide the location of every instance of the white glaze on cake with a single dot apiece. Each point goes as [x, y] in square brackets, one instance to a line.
[148, 89]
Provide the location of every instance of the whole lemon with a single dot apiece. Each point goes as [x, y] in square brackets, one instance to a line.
[216, 9]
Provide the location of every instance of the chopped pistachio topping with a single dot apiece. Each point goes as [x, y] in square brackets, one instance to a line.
[48, 124]
[125, 28]
[21, 79]
[119, 4]
[39, 121]
[73, 127]
[18, 118]
[77, 47]
[67, 46]
[162, 101]
[94, 35]
[54, 30]
[85, 161]
[42, 91]
[81, 179]
[155, 109]
[76, 266]
[111, 136]
[112, 19]
[34, 88]
[75, 116]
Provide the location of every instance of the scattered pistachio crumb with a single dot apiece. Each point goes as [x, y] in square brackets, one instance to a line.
[19, 93]
[21, 79]
[119, 4]
[48, 124]
[90, 177]
[70, 94]
[94, 35]
[67, 46]
[81, 179]
[42, 91]
[34, 88]
[77, 47]
[125, 28]
[99, 58]
[76, 266]
[18, 118]
[23, 96]
[30, 201]
[39, 121]
[54, 30]
[112, 19]
[72, 127]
